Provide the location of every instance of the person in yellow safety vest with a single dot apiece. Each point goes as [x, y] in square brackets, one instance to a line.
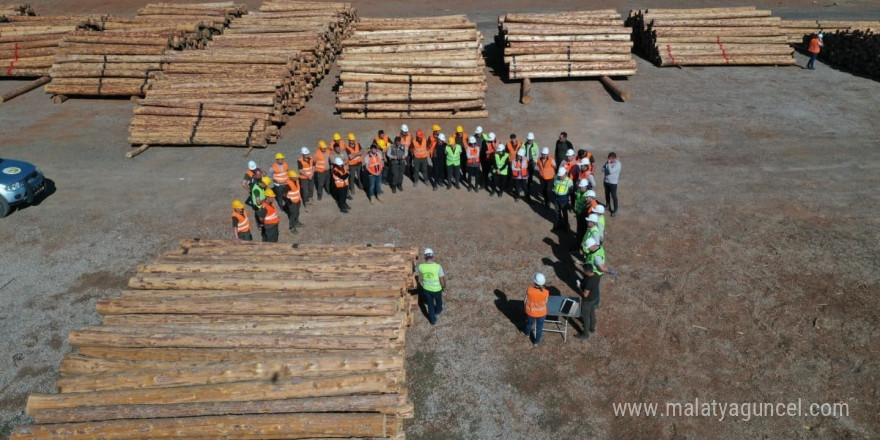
[322, 169]
[432, 279]
[258, 193]
[375, 163]
[340, 180]
[594, 256]
[513, 145]
[473, 177]
[269, 218]
[306, 166]
[453, 163]
[561, 189]
[420, 152]
[241, 225]
[533, 151]
[500, 170]
[536, 307]
[294, 200]
[437, 151]
[581, 202]
[545, 168]
[487, 159]
[520, 170]
[599, 210]
[355, 162]
[593, 228]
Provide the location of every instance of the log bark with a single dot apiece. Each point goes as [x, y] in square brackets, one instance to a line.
[215, 354]
[24, 88]
[158, 282]
[262, 306]
[465, 114]
[526, 92]
[612, 86]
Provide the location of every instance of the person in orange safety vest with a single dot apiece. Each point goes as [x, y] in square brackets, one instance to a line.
[241, 224]
[536, 307]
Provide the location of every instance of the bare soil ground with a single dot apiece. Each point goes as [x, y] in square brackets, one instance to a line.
[746, 248]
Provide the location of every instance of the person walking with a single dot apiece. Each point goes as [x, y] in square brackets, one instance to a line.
[815, 46]
[453, 163]
[294, 200]
[536, 307]
[431, 277]
[420, 158]
[375, 164]
[474, 175]
[438, 156]
[251, 176]
[520, 170]
[269, 219]
[500, 170]
[397, 155]
[545, 169]
[533, 151]
[561, 189]
[306, 166]
[611, 170]
[588, 289]
[241, 225]
[355, 162]
[322, 169]
[340, 180]
[562, 147]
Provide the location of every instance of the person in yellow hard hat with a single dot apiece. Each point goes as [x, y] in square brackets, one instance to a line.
[337, 140]
[279, 177]
[322, 169]
[437, 142]
[269, 218]
[258, 193]
[241, 225]
[293, 200]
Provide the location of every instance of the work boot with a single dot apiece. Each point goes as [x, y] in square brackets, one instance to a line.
[379, 200]
[293, 231]
[393, 190]
[298, 223]
[584, 335]
[349, 197]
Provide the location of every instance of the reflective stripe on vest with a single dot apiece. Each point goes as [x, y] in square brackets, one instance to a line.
[473, 155]
[271, 215]
[430, 273]
[546, 168]
[561, 187]
[453, 156]
[306, 167]
[323, 160]
[536, 302]
[353, 150]
[383, 142]
[520, 168]
[590, 256]
[406, 140]
[340, 181]
[244, 225]
[420, 150]
[513, 148]
[293, 191]
[502, 164]
[279, 172]
[374, 164]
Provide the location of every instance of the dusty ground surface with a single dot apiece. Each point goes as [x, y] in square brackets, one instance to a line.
[746, 249]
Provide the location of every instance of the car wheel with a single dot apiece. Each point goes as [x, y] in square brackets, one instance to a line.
[4, 207]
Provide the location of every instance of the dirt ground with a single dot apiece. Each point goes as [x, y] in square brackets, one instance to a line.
[746, 248]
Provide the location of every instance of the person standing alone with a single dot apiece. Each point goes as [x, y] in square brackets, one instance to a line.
[611, 169]
[815, 46]
[433, 281]
[536, 307]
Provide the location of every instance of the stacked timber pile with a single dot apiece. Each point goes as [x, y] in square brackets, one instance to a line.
[28, 42]
[428, 67]
[796, 29]
[241, 341]
[858, 51]
[124, 58]
[710, 36]
[247, 81]
[17, 9]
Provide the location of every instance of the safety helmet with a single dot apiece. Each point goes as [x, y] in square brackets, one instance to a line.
[491, 136]
[459, 129]
[521, 152]
[351, 136]
[435, 127]
[338, 161]
[585, 161]
[569, 153]
[472, 140]
[530, 136]
[252, 165]
[270, 193]
[420, 133]
[266, 180]
[583, 183]
[404, 128]
[545, 150]
[539, 279]
[322, 144]
[237, 204]
[593, 218]
[591, 193]
[599, 209]
[561, 172]
[304, 150]
[292, 174]
[337, 137]
[590, 242]
[429, 252]
[478, 130]
[279, 156]
[499, 148]
[442, 137]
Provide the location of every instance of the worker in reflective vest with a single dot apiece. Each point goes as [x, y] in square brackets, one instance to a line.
[545, 168]
[474, 175]
[584, 153]
[453, 164]
[251, 176]
[375, 163]
[438, 157]
[459, 137]
[593, 229]
[520, 170]
[532, 154]
[269, 218]
[258, 193]
[814, 47]
[580, 214]
[337, 142]
[594, 256]
[355, 162]
[500, 170]
[306, 165]
[322, 169]
[420, 158]
[383, 141]
[586, 173]
[561, 189]
[513, 145]
[241, 225]
[433, 281]
[340, 181]
[294, 200]
[599, 210]
[279, 170]
[536, 307]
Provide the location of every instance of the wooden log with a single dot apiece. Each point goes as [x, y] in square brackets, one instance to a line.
[279, 306]
[413, 97]
[413, 106]
[623, 95]
[24, 88]
[465, 114]
[780, 60]
[299, 267]
[571, 74]
[245, 321]
[237, 140]
[214, 354]
[137, 151]
[153, 282]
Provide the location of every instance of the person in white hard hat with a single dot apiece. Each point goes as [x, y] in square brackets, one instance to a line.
[500, 170]
[545, 169]
[438, 158]
[533, 152]
[594, 257]
[593, 229]
[814, 47]
[306, 166]
[599, 211]
[561, 190]
[585, 172]
[407, 139]
[341, 179]
[251, 176]
[473, 176]
[432, 280]
[487, 159]
[536, 307]
[580, 215]
[520, 173]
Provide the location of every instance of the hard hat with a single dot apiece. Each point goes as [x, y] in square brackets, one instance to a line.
[237, 204]
[279, 156]
[585, 161]
[270, 193]
[821, 35]
[539, 279]
[521, 152]
[292, 173]
[478, 130]
[599, 209]
[337, 137]
[266, 180]
[429, 251]
[561, 172]
[545, 150]
[499, 147]
[404, 128]
[252, 165]
[322, 144]
[472, 140]
[491, 136]
[420, 133]
[435, 127]
[338, 161]
[459, 129]
[583, 183]
[351, 136]
[569, 153]
[593, 218]
[530, 136]
[591, 193]
[590, 242]
[442, 137]
[304, 150]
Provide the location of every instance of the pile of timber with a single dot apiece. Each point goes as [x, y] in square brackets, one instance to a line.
[246, 82]
[796, 29]
[123, 59]
[710, 36]
[29, 42]
[429, 67]
[566, 45]
[858, 51]
[16, 9]
[241, 341]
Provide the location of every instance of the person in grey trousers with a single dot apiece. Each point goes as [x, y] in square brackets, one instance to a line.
[611, 169]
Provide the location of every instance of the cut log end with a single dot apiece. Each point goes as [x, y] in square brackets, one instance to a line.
[616, 90]
[58, 99]
[137, 151]
[526, 92]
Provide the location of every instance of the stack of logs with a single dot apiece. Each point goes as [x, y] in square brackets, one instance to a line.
[413, 68]
[566, 45]
[710, 36]
[242, 341]
[124, 58]
[858, 51]
[796, 29]
[246, 82]
[17, 9]
[28, 41]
